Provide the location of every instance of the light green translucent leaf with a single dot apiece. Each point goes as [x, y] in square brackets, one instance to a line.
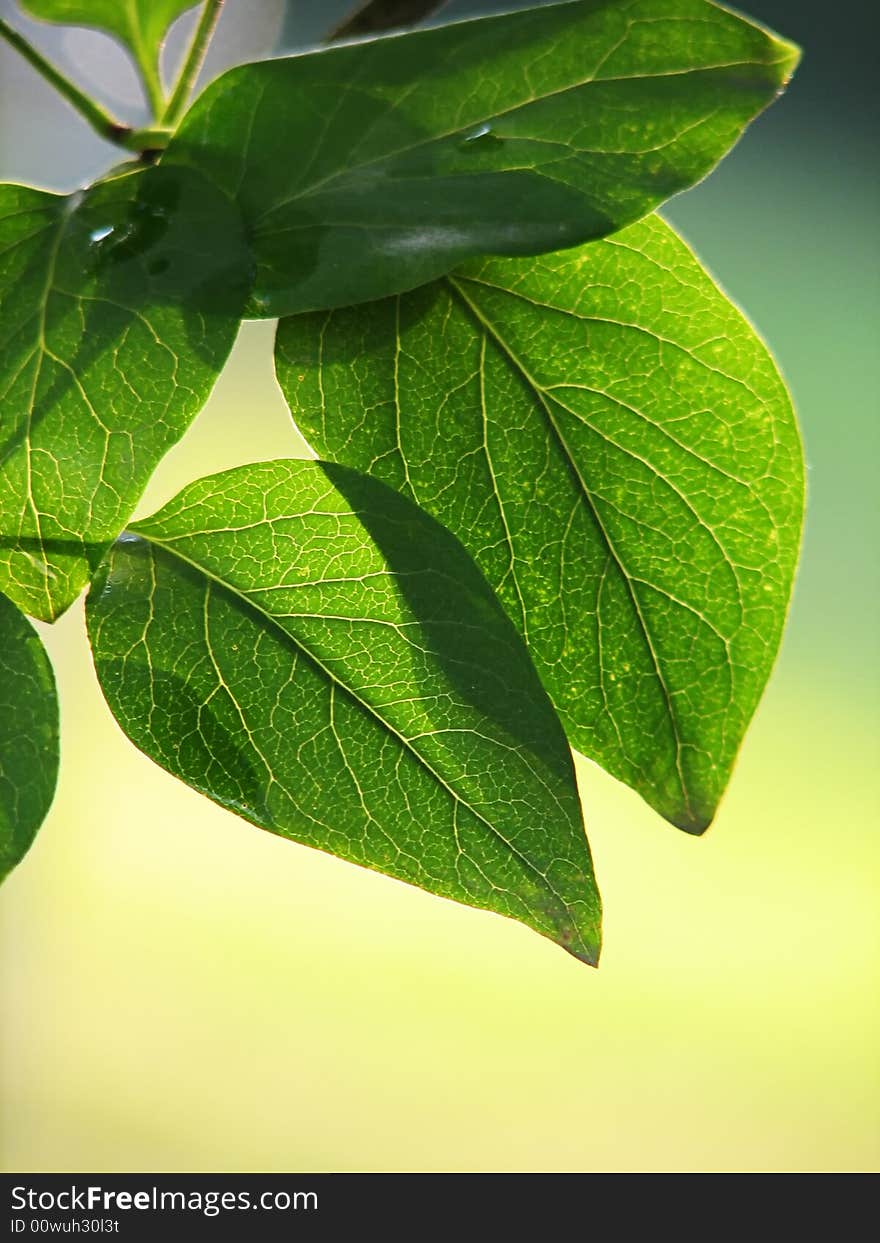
[28, 735]
[613, 444]
[118, 308]
[140, 25]
[309, 649]
[370, 168]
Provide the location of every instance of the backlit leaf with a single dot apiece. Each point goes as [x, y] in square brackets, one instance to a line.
[613, 444]
[118, 308]
[309, 649]
[140, 25]
[28, 735]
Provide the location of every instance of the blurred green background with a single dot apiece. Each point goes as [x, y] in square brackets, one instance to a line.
[183, 992]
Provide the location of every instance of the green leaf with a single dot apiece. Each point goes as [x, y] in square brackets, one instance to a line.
[140, 25]
[613, 444]
[309, 649]
[372, 168]
[118, 309]
[28, 735]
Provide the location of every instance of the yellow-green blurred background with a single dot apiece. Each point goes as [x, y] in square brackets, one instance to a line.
[183, 992]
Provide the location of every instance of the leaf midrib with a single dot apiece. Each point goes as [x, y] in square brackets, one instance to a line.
[490, 328]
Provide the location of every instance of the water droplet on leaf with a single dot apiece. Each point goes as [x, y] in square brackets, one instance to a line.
[481, 135]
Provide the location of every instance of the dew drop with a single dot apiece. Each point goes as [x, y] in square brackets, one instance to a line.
[482, 134]
[98, 235]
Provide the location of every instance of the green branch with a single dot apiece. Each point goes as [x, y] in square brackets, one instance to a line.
[100, 120]
[147, 142]
[192, 63]
[149, 74]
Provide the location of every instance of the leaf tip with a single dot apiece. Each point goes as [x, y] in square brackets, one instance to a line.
[588, 954]
[583, 942]
[695, 825]
[789, 59]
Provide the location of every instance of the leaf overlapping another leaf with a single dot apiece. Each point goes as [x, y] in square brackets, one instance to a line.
[28, 735]
[118, 309]
[309, 649]
[372, 168]
[613, 444]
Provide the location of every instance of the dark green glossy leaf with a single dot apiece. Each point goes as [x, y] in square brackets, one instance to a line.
[118, 309]
[370, 168]
[309, 649]
[612, 442]
[28, 735]
[140, 25]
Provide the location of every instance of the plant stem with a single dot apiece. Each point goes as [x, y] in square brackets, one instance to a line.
[152, 84]
[192, 63]
[151, 139]
[99, 119]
